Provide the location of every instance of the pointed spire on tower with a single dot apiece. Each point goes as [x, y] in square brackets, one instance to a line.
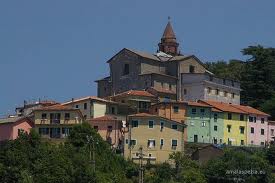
[168, 42]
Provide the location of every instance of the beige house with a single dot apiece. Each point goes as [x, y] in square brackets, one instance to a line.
[93, 107]
[157, 136]
[56, 121]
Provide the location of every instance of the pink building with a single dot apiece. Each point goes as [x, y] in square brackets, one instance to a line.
[10, 127]
[257, 126]
[271, 131]
[110, 129]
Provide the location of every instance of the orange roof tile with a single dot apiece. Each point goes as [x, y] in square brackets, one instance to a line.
[198, 104]
[223, 106]
[136, 93]
[55, 108]
[250, 110]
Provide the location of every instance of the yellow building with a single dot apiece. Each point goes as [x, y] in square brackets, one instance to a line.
[56, 121]
[235, 123]
[157, 136]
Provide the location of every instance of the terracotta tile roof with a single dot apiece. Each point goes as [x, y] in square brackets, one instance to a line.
[87, 98]
[168, 32]
[215, 109]
[105, 118]
[15, 119]
[198, 104]
[223, 106]
[136, 93]
[250, 110]
[57, 107]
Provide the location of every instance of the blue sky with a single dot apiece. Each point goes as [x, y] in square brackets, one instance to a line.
[56, 49]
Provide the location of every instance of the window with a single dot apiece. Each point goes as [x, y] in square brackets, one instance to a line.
[229, 142]
[228, 128]
[255, 119]
[170, 86]
[66, 131]
[217, 91]
[55, 133]
[202, 111]
[208, 90]
[262, 131]
[44, 116]
[250, 119]
[203, 124]
[174, 143]
[262, 120]
[252, 142]
[232, 83]
[96, 128]
[113, 111]
[162, 85]
[225, 93]
[151, 143]
[150, 124]
[215, 117]
[126, 141]
[43, 131]
[126, 69]
[251, 130]
[175, 127]
[133, 142]
[229, 116]
[110, 128]
[223, 81]
[176, 109]
[184, 91]
[242, 142]
[134, 124]
[215, 128]
[161, 125]
[233, 95]
[67, 116]
[76, 106]
[194, 111]
[85, 105]
[215, 140]
[195, 138]
[262, 143]
[55, 118]
[161, 142]
[191, 69]
[85, 116]
[156, 109]
[241, 117]
[241, 130]
[272, 132]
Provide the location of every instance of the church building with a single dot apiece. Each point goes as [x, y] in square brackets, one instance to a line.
[168, 74]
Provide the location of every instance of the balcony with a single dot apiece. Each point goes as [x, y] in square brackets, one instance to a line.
[55, 121]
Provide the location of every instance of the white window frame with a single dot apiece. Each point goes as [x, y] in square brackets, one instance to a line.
[151, 140]
[131, 143]
[172, 143]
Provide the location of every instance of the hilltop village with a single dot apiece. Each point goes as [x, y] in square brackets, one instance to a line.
[157, 102]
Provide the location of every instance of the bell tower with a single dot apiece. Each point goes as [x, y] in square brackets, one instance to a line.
[168, 43]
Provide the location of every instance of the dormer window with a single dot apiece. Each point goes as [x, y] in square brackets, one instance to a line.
[126, 69]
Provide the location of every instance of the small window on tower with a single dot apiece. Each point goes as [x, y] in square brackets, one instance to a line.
[126, 69]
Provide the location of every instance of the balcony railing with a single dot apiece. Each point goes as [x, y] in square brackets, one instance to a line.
[55, 121]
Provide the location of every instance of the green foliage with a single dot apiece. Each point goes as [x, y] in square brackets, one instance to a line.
[270, 154]
[28, 160]
[238, 165]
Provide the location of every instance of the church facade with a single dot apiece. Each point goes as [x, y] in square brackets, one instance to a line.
[167, 74]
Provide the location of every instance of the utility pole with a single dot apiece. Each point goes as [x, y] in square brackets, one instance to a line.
[91, 143]
[141, 170]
